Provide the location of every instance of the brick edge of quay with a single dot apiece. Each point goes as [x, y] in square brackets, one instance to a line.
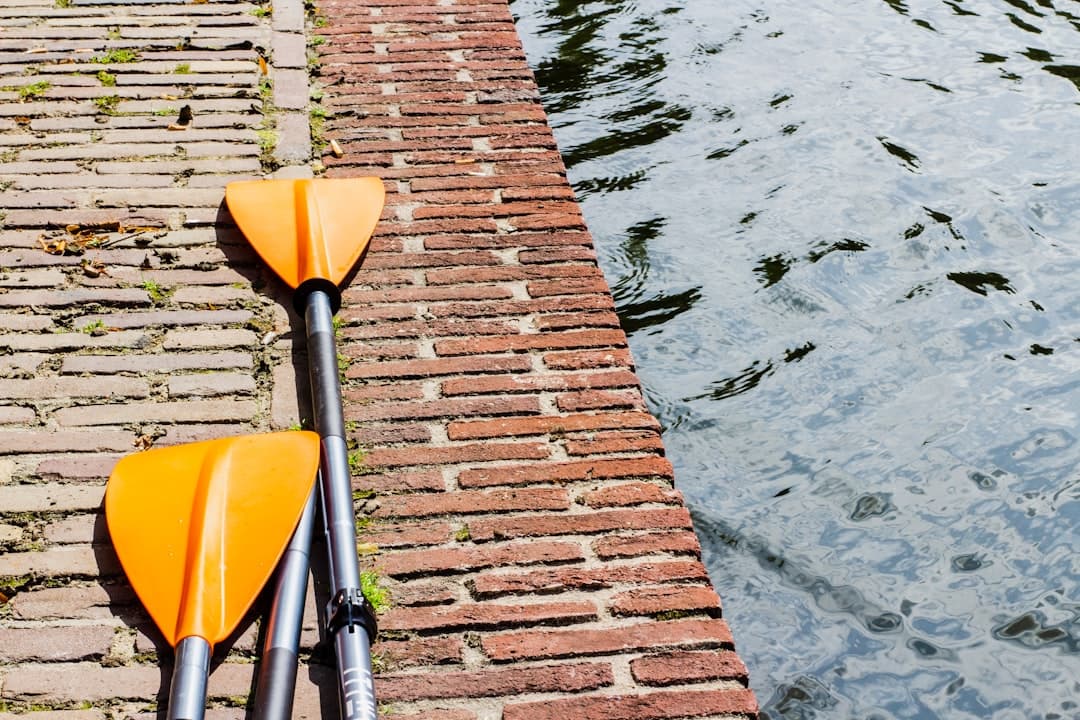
[548, 572]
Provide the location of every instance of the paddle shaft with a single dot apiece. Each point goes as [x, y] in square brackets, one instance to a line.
[187, 694]
[281, 646]
[349, 618]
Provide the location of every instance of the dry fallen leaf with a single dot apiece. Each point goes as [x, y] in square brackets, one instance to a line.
[184, 121]
[53, 247]
[264, 69]
[335, 148]
[366, 548]
[37, 50]
[143, 442]
[94, 268]
[465, 161]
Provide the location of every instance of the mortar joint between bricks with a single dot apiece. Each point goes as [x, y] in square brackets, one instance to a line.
[520, 290]
[404, 213]
[431, 392]
[509, 256]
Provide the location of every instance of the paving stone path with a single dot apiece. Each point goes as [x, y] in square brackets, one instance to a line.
[511, 484]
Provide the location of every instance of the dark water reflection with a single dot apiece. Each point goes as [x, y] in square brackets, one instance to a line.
[843, 237]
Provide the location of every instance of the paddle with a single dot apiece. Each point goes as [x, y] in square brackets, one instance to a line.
[199, 529]
[311, 233]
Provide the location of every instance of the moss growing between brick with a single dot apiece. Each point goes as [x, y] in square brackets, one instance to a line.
[116, 55]
[374, 591]
[108, 104]
[34, 91]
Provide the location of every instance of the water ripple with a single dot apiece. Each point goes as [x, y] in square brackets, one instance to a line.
[842, 237]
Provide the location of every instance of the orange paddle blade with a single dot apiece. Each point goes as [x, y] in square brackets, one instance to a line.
[307, 229]
[199, 527]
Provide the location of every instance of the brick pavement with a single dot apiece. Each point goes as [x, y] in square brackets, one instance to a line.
[513, 489]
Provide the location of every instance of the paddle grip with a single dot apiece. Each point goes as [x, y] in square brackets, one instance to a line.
[187, 694]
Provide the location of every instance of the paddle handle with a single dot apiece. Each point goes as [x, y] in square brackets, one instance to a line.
[350, 618]
[187, 695]
[276, 682]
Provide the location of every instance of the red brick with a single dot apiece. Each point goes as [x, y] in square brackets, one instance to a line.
[600, 400]
[615, 442]
[533, 382]
[510, 240]
[430, 259]
[646, 635]
[400, 654]
[577, 578]
[413, 562]
[570, 286]
[579, 253]
[614, 546]
[588, 359]
[584, 275]
[388, 391]
[474, 452]
[427, 293]
[667, 598]
[426, 592]
[443, 408]
[579, 523]
[425, 328]
[576, 321]
[440, 366]
[388, 535]
[521, 307]
[505, 427]
[435, 715]
[401, 481]
[371, 434]
[566, 472]
[633, 493]
[486, 616]
[523, 343]
[493, 682]
[473, 501]
[676, 668]
[653, 706]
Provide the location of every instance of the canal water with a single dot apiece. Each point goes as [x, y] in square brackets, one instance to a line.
[844, 239]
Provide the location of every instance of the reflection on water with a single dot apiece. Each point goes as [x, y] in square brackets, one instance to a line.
[842, 237]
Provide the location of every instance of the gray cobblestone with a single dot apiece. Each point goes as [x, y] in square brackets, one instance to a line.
[290, 89]
[158, 362]
[211, 385]
[203, 339]
[41, 498]
[61, 387]
[167, 412]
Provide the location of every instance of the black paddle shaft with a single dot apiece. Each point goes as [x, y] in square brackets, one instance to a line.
[350, 618]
